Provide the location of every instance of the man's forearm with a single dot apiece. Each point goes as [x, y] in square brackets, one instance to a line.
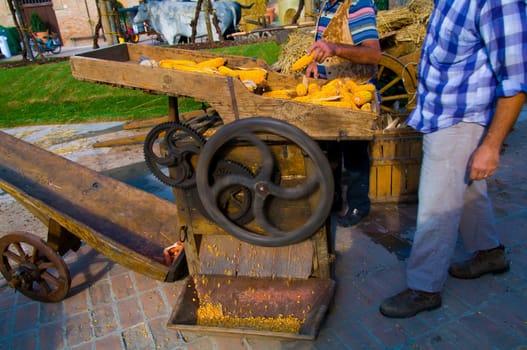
[368, 52]
[507, 111]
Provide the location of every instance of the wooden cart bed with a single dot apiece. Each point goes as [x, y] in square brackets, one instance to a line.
[119, 66]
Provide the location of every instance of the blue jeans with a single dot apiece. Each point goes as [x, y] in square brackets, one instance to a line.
[449, 205]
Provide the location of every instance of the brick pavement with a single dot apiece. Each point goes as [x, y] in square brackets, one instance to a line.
[110, 307]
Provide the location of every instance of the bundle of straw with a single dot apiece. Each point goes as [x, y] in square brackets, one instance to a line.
[297, 44]
[416, 11]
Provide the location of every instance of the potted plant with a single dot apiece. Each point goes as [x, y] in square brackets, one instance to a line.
[37, 26]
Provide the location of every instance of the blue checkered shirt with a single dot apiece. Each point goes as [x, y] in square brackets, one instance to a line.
[475, 51]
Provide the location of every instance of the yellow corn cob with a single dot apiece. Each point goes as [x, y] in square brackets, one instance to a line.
[330, 89]
[350, 85]
[316, 96]
[186, 68]
[212, 63]
[348, 97]
[366, 107]
[223, 70]
[287, 94]
[339, 104]
[302, 62]
[361, 97]
[365, 87]
[256, 75]
[168, 63]
[301, 89]
[312, 88]
[332, 84]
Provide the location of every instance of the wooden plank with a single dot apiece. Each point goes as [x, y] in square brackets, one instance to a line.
[219, 255]
[398, 180]
[384, 177]
[225, 255]
[129, 226]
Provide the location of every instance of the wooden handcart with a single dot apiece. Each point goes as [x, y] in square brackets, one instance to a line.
[253, 195]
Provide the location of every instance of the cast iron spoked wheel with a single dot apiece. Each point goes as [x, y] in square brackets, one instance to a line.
[316, 187]
[397, 86]
[234, 201]
[169, 149]
[34, 269]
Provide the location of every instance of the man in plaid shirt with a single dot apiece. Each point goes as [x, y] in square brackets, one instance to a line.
[472, 87]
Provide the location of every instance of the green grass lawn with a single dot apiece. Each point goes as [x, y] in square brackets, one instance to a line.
[48, 94]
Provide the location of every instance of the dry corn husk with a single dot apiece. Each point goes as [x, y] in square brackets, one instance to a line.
[415, 12]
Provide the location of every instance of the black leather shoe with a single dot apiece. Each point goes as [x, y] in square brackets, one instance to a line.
[410, 302]
[352, 217]
[483, 262]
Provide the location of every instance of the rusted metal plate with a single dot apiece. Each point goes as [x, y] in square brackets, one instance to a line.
[245, 297]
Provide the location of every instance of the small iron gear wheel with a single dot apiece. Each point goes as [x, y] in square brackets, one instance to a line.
[168, 149]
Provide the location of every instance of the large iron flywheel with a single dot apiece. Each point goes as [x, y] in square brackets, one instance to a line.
[263, 145]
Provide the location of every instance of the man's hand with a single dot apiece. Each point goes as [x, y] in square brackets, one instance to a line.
[486, 158]
[484, 162]
[312, 70]
[323, 50]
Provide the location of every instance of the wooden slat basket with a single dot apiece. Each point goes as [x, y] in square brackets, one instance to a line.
[395, 165]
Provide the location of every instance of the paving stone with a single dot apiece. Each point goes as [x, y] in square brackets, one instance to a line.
[137, 338]
[50, 312]
[75, 303]
[6, 326]
[27, 341]
[164, 337]
[26, 317]
[356, 336]
[109, 342]
[52, 335]
[104, 320]
[100, 292]
[78, 329]
[130, 314]
[154, 305]
[8, 298]
[122, 285]
[144, 283]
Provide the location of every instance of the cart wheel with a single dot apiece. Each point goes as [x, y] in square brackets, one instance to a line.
[169, 149]
[397, 86]
[30, 266]
[315, 187]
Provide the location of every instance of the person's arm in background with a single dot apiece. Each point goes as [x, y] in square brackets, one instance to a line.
[367, 52]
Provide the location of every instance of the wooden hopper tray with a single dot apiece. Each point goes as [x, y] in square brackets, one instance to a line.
[246, 297]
